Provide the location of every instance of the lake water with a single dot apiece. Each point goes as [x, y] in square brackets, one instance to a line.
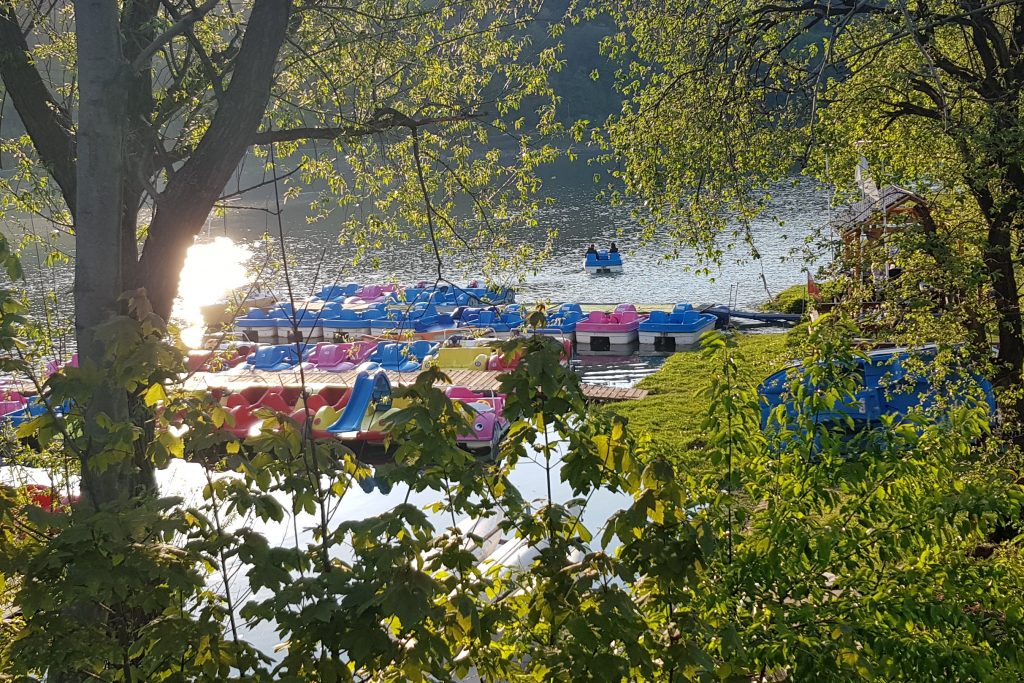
[785, 238]
[580, 219]
[186, 480]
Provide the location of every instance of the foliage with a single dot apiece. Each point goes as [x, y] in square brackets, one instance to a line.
[674, 409]
[798, 551]
[419, 123]
[790, 300]
[761, 562]
[728, 99]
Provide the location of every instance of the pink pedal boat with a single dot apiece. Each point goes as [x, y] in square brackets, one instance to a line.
[603, 331]
[11, 401]
[372, 294]
[339, 357]
[489, 426]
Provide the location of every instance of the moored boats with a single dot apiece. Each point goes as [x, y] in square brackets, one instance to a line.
[670, 331]
[328, 357]
[449, 296]
[259, 326]
[503, 323]
[400, 356]
[562, 322]
[276, 358]
[488, 425]
[602, 331]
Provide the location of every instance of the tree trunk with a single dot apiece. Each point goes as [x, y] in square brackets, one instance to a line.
[999, 261]
[100, 244]
[998, 256]
[937, 248]
[191, 192]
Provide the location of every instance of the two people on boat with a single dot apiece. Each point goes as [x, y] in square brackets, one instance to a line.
[614, 249]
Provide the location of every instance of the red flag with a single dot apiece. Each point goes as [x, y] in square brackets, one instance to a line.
[812, 288]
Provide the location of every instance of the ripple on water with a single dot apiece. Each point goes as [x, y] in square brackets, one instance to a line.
[616, 371]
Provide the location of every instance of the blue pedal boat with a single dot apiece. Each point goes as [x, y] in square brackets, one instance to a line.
[400, 356]
[562, 321]
[338, 293]
[260, 326]
[351, 323]
[312, 322]
[503, 323]
[278, 357]
[603, 262]
[888, 387]
[679, 329]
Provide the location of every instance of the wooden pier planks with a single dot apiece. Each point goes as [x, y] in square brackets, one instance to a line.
[477, 380]
[602, 392]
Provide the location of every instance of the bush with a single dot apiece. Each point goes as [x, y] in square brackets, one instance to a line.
[790, 300]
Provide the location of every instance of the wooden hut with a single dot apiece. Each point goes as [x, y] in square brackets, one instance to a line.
[863, 226]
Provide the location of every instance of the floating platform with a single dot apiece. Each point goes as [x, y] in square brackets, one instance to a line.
[725, 314]
[477, 380]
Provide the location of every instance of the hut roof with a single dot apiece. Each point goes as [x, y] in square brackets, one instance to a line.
[889, 198]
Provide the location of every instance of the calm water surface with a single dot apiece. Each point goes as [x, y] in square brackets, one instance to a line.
[580, 219]
[784, 238]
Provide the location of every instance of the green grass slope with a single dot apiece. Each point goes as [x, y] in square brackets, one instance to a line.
[675, 407]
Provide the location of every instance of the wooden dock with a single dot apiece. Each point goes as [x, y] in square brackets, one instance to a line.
[477, 380]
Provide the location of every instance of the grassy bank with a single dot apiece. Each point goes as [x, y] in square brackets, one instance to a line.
[675, 407]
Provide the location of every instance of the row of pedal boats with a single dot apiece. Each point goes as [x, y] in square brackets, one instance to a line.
[366, 355]
[679, 328]
[353, 294]
[893, 383]
[356, 415]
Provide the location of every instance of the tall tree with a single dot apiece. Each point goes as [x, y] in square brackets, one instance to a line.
[729, 97]
[174, 94]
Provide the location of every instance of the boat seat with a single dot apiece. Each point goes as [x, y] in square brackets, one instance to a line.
[332, 396]
[462, 394]
[330, 354]
[421, 349]
[627, 316]
[331, 310]
[660, 317]
[390, 356]
[275, 402]
[690, 317]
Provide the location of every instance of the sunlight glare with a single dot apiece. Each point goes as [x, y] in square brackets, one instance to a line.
[211, 271]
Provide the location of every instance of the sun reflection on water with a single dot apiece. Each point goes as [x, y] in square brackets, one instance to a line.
[211, 272]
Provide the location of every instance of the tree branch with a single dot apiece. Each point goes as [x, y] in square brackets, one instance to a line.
[901, 109]
[215, 79]
[382, 123]
[185, 23]
[192, 191]
[46, 122]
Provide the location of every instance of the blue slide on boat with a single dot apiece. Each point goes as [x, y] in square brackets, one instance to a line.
[367, 390]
